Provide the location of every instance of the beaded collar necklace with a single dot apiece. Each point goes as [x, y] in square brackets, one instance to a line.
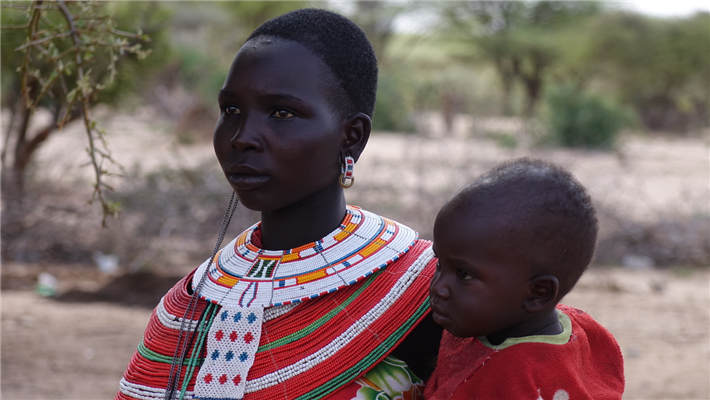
[244, 275]
[245, 279]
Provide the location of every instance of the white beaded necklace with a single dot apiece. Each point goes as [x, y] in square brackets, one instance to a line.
[247, 276]
[245, 280]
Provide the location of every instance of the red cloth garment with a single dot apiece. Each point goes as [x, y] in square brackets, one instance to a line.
[307, 349]
[588, 365]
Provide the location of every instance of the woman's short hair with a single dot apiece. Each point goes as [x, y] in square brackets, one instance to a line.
[343, 47]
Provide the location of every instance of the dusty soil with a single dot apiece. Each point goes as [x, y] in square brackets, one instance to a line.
[77, 345]
[660, 319]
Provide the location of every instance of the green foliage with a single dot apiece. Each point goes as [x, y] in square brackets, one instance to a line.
[10, 40]
[519, 39]
[200, 73]
[578, 119]
[506, 140]
[246, 16]
[131, 71]
[394, 108]
[657, 66]
[376, 18]
[406, 92]
[69, 51]
[660, 66]
[205, 37]
[134, 74]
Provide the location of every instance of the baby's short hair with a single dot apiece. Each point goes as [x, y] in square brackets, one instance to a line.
[545, 203]
[342, 46]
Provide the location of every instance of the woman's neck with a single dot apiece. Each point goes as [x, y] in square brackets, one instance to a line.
[303, 222]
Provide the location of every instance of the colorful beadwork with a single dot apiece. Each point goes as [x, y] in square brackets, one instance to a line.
[305, 349]
[347, 176]
[246, 275]
[230, 355]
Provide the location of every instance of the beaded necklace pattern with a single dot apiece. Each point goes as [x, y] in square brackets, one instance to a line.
[247, 278]
[304, 350]
[231, 345]
[245, 275]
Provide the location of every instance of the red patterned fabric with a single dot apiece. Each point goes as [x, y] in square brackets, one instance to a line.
[326, 316]
[588, 366]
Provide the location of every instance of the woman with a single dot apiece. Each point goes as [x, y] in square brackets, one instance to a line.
[319, 299]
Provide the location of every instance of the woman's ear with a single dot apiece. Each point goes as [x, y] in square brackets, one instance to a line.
[357, 133]
[543, 293]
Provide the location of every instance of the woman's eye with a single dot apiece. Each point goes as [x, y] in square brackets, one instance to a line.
[231, 110]
[464, 275]
[282, 114]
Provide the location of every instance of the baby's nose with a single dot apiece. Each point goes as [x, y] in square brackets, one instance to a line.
[438, 288]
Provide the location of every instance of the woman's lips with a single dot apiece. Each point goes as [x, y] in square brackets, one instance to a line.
[247, 181]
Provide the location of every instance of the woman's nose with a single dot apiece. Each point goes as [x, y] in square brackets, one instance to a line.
[246, 136]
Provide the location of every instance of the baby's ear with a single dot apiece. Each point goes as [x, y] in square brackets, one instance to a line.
[543, 293]
[357, 129]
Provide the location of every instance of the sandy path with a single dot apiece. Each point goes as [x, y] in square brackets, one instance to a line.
[661, 321]
[65, 351]
[56, 350]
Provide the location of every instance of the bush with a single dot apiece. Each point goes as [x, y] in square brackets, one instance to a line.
[394, 108]
[578, 119]
[170, 217]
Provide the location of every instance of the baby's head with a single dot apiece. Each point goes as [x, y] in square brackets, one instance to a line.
[510, 245]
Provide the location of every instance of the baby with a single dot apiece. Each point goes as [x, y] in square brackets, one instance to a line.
[510, 245]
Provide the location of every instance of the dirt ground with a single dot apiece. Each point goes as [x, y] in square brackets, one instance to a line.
[78, 345]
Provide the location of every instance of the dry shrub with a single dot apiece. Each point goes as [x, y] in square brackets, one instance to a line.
[169, 217]
[669, 240]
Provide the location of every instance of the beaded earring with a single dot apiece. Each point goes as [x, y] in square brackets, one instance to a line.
[347, 176]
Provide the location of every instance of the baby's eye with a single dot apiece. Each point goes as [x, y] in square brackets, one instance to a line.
[464, 275]
[232, 110]
[282, 114]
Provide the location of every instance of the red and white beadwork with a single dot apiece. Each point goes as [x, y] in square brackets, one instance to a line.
[302, 354]
[232, 342]
[247, 276]
[347, 176]
[358, 337]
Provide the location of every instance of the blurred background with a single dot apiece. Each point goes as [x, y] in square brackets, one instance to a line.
[102, 216]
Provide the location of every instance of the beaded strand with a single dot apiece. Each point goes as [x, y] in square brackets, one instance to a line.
[183, 345]
[335, 369]
[369, 319]
[211, 311]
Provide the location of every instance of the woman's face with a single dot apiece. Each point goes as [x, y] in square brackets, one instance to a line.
[277, 138]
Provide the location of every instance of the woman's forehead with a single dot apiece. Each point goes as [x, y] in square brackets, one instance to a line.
[277, 55]
[268, 46]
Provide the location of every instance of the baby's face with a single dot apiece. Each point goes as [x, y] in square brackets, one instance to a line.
[277, 139]
[481, 278]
